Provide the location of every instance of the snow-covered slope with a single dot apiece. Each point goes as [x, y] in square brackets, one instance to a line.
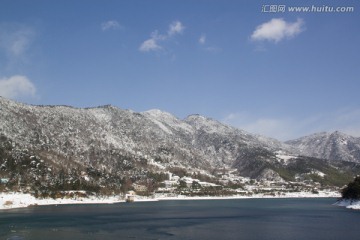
[168, 122]
[229, 145]
[123, 142]
[334, 146]
[91, 135]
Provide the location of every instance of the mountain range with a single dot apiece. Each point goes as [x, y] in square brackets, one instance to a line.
[111, 145]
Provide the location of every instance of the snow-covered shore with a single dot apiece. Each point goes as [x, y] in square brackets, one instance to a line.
[21, 200]
[351, 204]
[287, 195]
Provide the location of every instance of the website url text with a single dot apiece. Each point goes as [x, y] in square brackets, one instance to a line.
[306, 9]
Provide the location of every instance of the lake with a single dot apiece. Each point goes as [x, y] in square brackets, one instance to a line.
[191, 219]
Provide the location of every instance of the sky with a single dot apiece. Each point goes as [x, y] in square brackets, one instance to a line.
[259, 66]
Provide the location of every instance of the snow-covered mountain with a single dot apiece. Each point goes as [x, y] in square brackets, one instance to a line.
[107, 145]
[91, 136]
[333, 146]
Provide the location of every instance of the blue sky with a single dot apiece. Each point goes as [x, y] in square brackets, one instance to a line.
[281, 74]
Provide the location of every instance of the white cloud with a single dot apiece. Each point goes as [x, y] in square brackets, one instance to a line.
[277, 29]
[286, 128]
[149, 45]
[110, 25]
[202, 39]
[175, 28]
[152, 44]
[17, 86]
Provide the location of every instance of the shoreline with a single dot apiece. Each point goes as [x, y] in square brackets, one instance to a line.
[23, 200]
[347, 203]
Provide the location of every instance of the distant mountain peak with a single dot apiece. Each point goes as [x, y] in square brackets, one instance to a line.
[333, 146]
[167, 121]
[157, 113]
[339, 134]
[208, 124]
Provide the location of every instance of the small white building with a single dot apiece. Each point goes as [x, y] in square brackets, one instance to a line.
[130, 196]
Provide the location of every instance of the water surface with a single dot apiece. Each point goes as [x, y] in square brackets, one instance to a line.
[196, 219]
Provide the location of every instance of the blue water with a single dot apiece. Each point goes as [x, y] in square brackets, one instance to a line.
[201, 219]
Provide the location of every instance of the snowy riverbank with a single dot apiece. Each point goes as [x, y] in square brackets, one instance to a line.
[21, 200]
[351, 204]
[287, 195]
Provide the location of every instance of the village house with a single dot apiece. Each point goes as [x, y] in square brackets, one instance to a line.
[139, 187]
[130, 196]
[188, 181]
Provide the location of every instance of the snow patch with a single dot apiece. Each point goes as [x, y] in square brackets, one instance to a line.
[351, 204]
[100, 114]
[282, 156]
[167, 121]
[152, 162]
[316, 172]
[21, 200]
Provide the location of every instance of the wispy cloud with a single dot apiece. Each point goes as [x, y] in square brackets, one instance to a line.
[281, 129]
[15, 40]
[278, 29]
[286, 128]
[153, 43]
[202, 39]
[16, 87]
[207, 47]
[15, 44]
[110, 25]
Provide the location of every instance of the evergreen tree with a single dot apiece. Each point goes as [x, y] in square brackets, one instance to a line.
[352, 190]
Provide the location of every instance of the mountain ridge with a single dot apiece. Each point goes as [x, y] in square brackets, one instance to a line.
[114, 145]
[195, 122]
